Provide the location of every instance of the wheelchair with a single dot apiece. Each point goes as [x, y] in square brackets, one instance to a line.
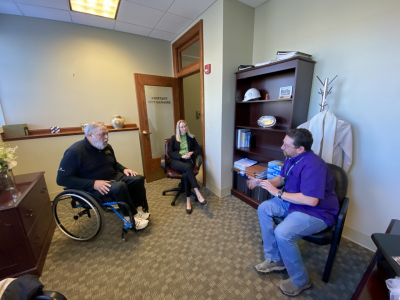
[80, 215]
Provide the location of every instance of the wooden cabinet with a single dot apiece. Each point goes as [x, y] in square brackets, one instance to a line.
[289, 113]
[26, 226]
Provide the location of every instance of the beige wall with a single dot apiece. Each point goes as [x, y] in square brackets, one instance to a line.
[357, 40]
[228, 37]
[237, 50]
[212, 40]
[55, 73]
[191, 96]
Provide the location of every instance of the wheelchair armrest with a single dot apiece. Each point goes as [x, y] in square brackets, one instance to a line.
[163, 163]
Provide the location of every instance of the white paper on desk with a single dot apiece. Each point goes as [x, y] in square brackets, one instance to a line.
[394, 287]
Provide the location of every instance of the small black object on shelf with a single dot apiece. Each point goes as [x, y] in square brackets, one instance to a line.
[244, 67]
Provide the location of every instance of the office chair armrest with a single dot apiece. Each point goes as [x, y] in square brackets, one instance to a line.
[49, 295]
[163, 163]
[341, 217]
[199, 161]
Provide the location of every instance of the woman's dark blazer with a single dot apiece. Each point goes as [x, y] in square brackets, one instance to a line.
[175, 147]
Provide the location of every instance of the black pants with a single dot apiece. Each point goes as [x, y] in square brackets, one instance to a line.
[185, 166]
[128, 189]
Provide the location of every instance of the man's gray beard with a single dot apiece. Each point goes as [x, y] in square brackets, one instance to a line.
[99, 145]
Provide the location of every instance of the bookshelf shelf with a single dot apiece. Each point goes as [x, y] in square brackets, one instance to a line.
[296, 72]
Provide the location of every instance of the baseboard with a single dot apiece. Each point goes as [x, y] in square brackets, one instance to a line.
[358, 238]
[226, 191]
[54, 194]
[215, 190]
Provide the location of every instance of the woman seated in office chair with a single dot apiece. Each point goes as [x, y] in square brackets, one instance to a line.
[183, 150]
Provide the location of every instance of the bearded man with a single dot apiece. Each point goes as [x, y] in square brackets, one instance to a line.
[90, 165]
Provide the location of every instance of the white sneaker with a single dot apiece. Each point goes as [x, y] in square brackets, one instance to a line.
[139, 223]
[141, 214]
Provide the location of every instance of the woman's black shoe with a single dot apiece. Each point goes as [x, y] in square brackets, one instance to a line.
[204, 202]
[189, 211]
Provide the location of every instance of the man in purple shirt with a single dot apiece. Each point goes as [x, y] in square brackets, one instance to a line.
[308, 202]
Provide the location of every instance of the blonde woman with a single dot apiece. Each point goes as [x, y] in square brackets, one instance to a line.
[183, 150]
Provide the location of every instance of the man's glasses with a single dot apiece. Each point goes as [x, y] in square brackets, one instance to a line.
[288, 146]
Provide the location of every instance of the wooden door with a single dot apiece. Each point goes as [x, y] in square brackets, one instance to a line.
[159, 110]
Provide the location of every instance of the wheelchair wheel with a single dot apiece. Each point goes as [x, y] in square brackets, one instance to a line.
[78, 215]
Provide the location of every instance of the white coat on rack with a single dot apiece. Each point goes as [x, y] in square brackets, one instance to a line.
[333, 139]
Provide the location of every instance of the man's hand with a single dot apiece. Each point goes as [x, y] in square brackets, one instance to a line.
[129, 172]
[252, 183]
[265, 184]
[102, 186]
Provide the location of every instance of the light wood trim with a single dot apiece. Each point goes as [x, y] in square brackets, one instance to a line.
[189, 37]
[64, 131]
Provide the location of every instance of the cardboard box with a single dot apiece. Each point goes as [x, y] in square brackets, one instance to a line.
[15, 130]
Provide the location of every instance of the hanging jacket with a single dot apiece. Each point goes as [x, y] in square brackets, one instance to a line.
[333, 139]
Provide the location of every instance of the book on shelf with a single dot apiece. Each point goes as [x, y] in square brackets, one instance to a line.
[243, 138]
[257, 171]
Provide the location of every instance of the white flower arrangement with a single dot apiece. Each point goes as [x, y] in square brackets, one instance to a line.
[7, 157]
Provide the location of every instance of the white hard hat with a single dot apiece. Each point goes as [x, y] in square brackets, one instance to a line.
[251, 94]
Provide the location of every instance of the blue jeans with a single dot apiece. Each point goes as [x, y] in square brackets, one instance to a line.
[280, 243]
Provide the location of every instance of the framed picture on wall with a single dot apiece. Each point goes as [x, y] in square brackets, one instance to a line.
[285, 92]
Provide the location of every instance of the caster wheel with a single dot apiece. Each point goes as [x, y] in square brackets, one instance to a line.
[124, 240]
[163, 193]
[172, 203]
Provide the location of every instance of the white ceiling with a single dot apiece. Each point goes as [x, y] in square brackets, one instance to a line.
[160, 19]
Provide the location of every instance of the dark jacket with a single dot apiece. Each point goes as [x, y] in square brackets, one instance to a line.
[175, 147]
[83, 164]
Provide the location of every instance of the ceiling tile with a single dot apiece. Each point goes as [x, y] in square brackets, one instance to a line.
[44, 12]
[131, 28]
[157, 4]
[7, 7]
[173, 23]
[86, 19]
[162, 35]
[190, 8]
[60, 4]
[138, 14]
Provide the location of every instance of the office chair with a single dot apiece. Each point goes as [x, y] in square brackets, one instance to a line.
[177, 175]
[331, 235]
[27, 287]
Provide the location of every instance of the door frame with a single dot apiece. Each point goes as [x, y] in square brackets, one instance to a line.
[195, 33]
[154, 163]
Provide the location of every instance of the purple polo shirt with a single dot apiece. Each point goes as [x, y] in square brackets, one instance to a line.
[312, 177]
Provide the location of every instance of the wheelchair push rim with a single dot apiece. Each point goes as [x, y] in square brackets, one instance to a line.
[78, 215]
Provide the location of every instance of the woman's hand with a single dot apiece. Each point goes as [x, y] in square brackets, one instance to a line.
[187, 155]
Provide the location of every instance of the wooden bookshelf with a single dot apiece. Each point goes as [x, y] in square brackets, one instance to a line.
[289, 113]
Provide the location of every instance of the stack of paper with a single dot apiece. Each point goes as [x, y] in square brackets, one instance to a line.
[289, 54]
[243, 163]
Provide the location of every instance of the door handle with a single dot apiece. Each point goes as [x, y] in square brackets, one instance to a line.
[145, 132]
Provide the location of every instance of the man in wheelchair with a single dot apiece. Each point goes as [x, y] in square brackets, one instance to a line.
[90, 165]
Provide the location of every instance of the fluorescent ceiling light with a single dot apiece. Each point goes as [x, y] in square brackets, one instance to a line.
[102, 8]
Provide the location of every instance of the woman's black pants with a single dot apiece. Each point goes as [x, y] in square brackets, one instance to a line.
[185, 166]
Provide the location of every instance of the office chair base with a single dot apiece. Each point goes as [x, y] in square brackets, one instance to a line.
[179, 192]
